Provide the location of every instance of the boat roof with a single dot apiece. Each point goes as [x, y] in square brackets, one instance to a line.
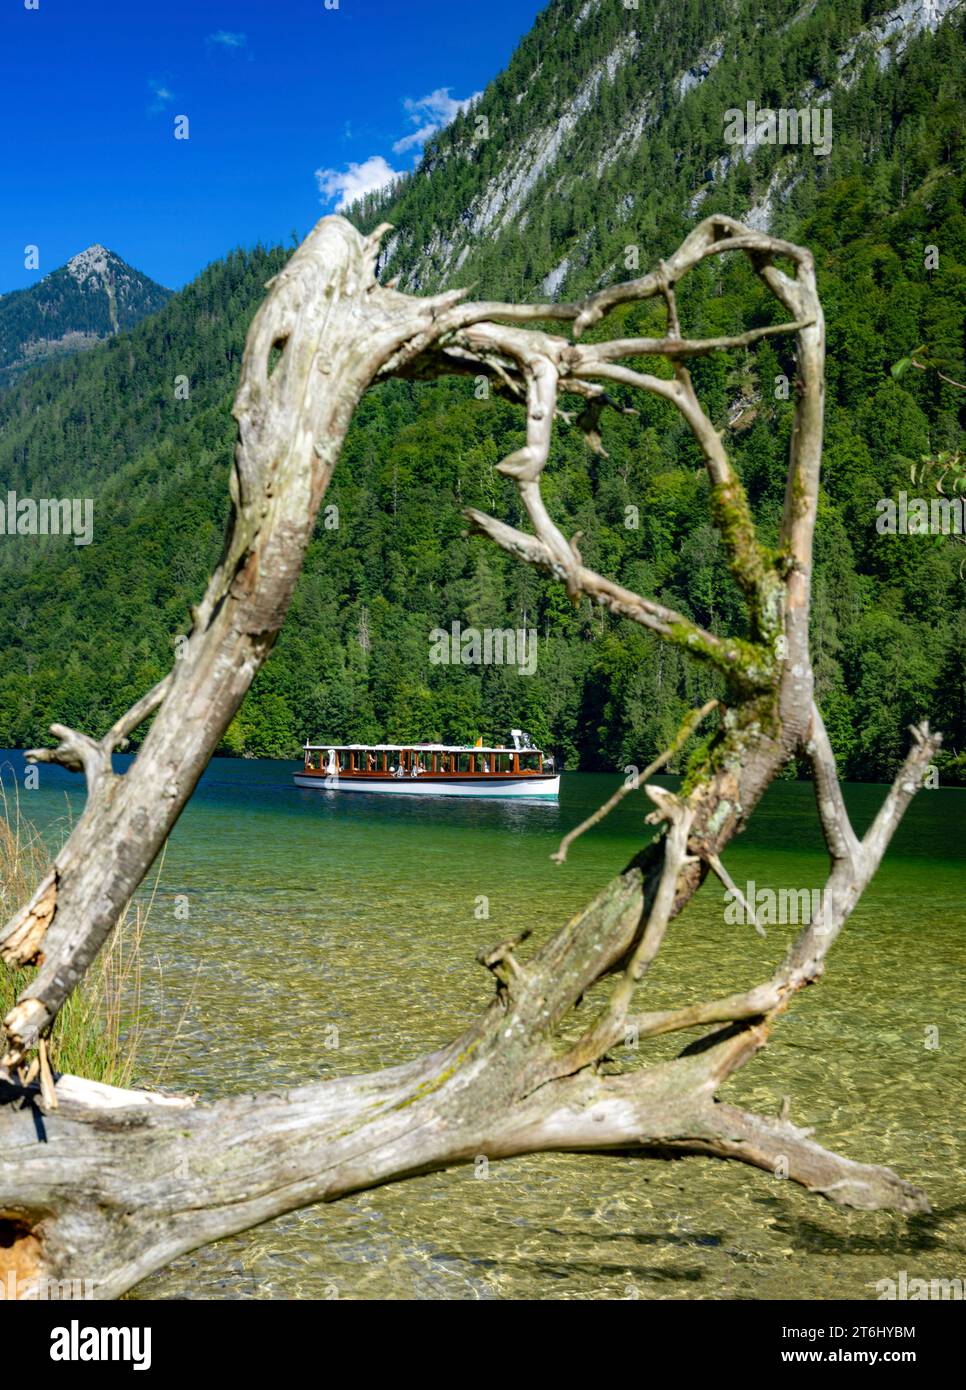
[414, 747]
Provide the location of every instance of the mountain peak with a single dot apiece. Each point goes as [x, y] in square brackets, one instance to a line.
[94, 296]
[94, 261]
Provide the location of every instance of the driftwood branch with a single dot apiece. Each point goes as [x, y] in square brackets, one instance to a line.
[729, 656]
[688, 727]
[113, 1185]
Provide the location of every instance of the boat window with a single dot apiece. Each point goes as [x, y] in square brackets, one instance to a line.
[463, 761]
[343, 758]
[503, 762]
[529, 762]
[314, 759]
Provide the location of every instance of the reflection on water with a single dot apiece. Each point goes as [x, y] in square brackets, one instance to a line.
[367, 912]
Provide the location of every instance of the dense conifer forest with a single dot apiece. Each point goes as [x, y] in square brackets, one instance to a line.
[85, 630]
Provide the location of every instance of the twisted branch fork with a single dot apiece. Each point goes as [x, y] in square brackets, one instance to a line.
[775, 586]
[508, 1085]
[547, 366]
[804, 963]
[80, 753]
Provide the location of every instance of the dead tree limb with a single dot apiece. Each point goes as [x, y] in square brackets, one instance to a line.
[125, 1182]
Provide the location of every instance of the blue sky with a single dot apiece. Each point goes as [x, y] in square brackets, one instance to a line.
[283, 97]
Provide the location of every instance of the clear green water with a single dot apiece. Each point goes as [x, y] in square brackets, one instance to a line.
[360, 912]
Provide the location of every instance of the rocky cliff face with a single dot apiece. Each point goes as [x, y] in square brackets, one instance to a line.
[593, 91]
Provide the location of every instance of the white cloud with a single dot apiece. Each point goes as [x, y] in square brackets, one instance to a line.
[418, 137]
[429, 114]
[227, 39]
[432, 113]
[161, 95]
[353, 183]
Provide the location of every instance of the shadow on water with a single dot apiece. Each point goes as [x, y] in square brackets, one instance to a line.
[920, 1234]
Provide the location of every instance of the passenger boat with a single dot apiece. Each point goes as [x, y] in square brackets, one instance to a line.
[431, 769]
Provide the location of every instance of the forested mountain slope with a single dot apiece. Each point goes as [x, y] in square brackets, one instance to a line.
[93, 296]
[604, 134]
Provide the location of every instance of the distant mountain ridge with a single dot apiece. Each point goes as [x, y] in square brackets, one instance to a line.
[93, 297]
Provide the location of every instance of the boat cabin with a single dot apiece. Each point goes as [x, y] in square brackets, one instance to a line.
[439, 769]
[421, 759]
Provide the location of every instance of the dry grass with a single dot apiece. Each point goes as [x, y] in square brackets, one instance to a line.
[100, 1029]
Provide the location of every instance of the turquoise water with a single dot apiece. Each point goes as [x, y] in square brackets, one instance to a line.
[365, 913]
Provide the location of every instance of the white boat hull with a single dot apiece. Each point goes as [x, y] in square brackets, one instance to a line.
[424, 786]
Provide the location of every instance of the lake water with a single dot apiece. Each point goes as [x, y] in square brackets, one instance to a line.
[362, 911]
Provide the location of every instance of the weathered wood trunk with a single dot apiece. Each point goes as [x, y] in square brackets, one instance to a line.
[109, 1186]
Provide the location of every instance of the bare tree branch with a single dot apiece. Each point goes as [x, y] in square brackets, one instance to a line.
[126, 1182]
[689, 725]
[843, 844]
